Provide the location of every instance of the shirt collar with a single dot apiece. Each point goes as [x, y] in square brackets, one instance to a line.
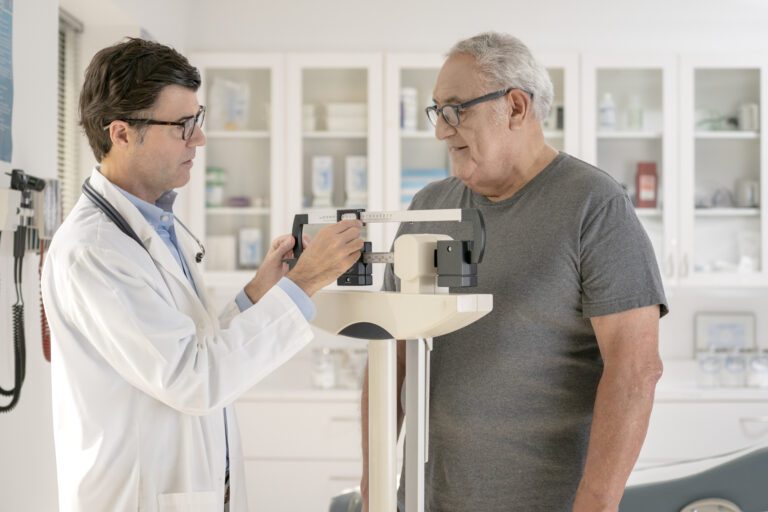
[159, 214]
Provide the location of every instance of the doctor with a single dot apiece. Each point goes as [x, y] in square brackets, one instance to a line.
[143, 370]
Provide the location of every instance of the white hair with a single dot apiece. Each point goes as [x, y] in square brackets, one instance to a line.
[505, 61]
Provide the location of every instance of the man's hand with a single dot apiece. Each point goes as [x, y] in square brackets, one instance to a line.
[333, 251]
[272, 269]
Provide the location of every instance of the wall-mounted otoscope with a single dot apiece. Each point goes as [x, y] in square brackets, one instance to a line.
[24, 238]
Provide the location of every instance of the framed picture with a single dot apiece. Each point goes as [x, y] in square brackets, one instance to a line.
[726, 330]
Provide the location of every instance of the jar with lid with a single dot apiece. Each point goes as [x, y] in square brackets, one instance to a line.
[757, 375]
[709, 364]
[734, 371]
[215, 179]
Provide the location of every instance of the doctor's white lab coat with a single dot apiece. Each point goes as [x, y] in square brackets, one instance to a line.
[142, 369]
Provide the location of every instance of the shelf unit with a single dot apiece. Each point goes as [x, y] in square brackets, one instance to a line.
[249, 145]
[409, 151]
[563, 70]
[649, 137]
[723, 246]
[320, 80]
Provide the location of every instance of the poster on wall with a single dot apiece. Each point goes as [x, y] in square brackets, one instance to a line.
[6, 80]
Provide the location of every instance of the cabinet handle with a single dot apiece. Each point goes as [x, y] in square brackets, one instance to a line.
[754, 419]
[671, 265]
[345, 419]
[684, 266]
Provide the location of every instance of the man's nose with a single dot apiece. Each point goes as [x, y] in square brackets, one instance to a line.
[442, 129]
[197, 138]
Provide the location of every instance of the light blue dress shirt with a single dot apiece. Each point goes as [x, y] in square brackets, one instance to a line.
[160, 217]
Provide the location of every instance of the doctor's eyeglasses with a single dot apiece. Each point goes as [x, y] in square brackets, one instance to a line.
[187, 124]
[451, 113]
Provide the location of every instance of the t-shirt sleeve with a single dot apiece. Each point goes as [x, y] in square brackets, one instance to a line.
[618, 266]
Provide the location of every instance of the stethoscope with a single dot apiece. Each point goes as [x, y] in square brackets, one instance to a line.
[110, 211]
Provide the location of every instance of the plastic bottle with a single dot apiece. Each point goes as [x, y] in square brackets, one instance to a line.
[635, 113]
[607, 112]
[215, 178]
[409, 106]
[646, 185]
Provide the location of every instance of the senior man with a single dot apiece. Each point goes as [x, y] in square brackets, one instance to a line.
[543, 404]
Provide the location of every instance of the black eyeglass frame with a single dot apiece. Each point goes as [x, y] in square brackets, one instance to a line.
[186, 126]
[459, 108]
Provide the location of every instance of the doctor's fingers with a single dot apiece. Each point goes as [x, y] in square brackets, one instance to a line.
[330, 235]
[344, 225]
[281, 241]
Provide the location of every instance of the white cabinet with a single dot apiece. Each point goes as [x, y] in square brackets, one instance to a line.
[688, 430]
[334, 125]
[723, 151]
[629, 124]
[300, 449]
[414, 156]
[297, 485]
[237, 188]
[561, 129]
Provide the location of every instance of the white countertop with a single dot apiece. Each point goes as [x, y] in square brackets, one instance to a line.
[679, 384]
[292, 382]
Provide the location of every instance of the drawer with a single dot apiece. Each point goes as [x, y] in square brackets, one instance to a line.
[682, 431]
[300, 430]
[301, 486]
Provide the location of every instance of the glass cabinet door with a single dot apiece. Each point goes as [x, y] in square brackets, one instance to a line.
[236, 190]
[561, 128]
[630, 134]
[724, 155]
[414, 155]
[335, 136]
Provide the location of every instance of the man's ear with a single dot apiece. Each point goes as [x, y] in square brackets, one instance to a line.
[119, 133]
[519, 105]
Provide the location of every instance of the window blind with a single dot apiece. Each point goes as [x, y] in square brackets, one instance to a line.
[67, 130]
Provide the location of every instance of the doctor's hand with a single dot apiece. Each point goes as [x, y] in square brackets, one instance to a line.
[272, 269]
[333, 251]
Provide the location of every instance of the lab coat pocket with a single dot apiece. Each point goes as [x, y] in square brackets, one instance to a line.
[188, 502]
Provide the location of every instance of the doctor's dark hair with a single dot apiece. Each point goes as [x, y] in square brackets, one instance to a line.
[123, 81]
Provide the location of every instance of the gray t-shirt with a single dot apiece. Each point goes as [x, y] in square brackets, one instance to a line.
[512, 394]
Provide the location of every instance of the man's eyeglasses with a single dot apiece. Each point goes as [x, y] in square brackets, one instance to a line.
[187, 124]
[451, 113]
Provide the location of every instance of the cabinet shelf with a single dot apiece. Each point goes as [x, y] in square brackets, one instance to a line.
[420, 134]
[727, 212]
[237, 134]
[230, 210]
[335, 135]
[648, 212]
[624, 135]
[727, 134]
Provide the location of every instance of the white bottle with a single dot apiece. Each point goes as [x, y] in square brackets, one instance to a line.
[607, 113]
[635, 114]
[356, 175]
[322, 180]
[409, 106]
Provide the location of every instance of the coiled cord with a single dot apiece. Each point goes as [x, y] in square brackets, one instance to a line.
[19, 340]
[45, 330]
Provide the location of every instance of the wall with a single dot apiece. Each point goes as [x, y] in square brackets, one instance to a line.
[683, 26]
[432, 25]
[28, 473]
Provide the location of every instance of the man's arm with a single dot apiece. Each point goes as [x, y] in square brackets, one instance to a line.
[364, 416]
[628, 344]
